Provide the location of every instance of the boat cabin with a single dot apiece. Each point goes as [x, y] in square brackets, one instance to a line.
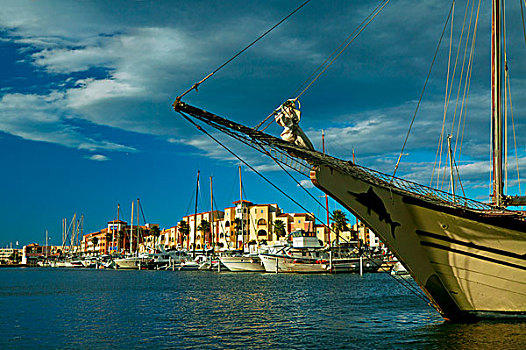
[303, 239]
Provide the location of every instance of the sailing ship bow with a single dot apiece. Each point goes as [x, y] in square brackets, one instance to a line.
[468, 257]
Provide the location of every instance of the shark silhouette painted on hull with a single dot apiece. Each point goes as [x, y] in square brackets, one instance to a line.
[374, 203]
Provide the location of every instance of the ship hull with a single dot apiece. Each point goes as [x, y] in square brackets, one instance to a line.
[242, 264]
[469, 264]
[354, 265]
[283, 264]
[129, 263]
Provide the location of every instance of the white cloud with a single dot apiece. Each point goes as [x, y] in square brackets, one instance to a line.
[98, 157]
[91, 91]
[141, 61]
[44, 118]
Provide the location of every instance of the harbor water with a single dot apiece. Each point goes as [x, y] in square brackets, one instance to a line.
[51, 308]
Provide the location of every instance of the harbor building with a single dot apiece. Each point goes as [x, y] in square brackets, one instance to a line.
[116, 237]
[243, 226]
[10, 256]
[261, 222]
[34, 252]
[367, 236]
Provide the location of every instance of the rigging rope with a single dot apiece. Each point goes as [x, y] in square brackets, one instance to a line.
[407, 284]
[422, 93]
[514, 137]
[462, 116]
[522, 16]
[345, 47]
[257, 172]
[457, 135]
[302, 187]
[335, 54]
[467, 85]
[240, 52]
[446, 101]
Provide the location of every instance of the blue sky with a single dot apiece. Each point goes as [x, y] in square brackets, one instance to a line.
[86, 90]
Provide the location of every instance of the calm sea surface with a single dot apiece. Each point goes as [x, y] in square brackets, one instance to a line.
[47, 308]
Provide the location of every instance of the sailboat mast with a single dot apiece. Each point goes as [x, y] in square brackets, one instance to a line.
[326, 197]
[242, 214]
[212, 216]
[118, 226]
[496, 103]
[131, 229]
[138, 224]
[195, 214]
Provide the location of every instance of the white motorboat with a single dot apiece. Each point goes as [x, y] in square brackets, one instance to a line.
[189, 265]
[305, 255]
[354, 264]
[132, 262]
[244, 263]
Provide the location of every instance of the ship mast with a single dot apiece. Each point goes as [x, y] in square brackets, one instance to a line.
[496, 104]
[212, 217]
[242, 214]
[326, 197]
[195, 215]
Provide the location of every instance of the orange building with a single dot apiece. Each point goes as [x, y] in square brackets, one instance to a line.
[116, 237]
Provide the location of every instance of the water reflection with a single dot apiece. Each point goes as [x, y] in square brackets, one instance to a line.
[490, 334]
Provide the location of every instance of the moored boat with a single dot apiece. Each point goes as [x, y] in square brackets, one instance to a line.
[244, 263]
[305, 255]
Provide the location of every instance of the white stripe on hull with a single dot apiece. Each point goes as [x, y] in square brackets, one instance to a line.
[465, 266]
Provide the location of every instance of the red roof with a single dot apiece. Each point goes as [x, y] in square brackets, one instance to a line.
[117, 221]
[242, 200]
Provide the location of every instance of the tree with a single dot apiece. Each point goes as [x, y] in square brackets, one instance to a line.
[184, 229]
[95, 241]
[279, 228]
[237, 224]
[339, 223]
[120, 239]
[204, 227]
[109, 238]
[155, 232]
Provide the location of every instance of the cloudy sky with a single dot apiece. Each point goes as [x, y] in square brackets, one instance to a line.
[86, 90]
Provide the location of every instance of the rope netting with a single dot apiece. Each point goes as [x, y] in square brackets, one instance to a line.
[302, 160]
